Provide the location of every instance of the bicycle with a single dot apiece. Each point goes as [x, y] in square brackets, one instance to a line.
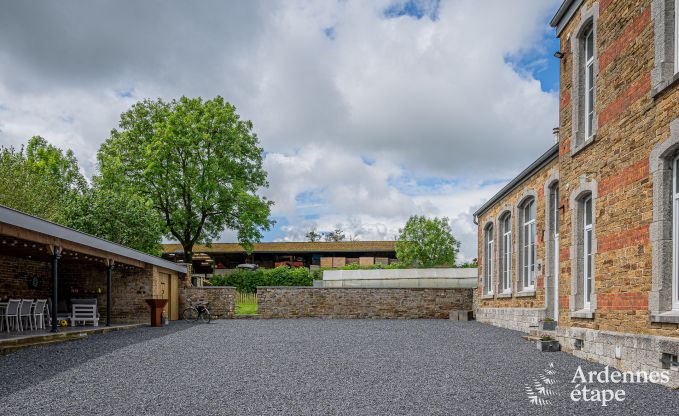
[197, 311]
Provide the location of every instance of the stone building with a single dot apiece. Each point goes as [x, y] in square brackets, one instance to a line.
[587, 235]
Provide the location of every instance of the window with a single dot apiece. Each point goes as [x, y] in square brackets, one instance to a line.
[665, 70]
[675, 234]
[528, 249]
[588, 256]
[589, 83]
[506, 226]
[488, 260]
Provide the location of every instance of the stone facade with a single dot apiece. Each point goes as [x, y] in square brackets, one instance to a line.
[513, 306]
[305, 302]
[518, 319]
[221, 299]
[625, 169]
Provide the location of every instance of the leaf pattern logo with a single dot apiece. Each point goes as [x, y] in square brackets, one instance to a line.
[540, 390]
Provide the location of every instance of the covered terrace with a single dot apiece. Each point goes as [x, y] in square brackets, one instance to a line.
[41, 260]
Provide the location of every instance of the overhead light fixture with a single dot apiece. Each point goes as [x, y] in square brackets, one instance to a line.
[558, 54]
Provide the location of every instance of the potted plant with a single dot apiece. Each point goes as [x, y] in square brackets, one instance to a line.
[548, 324]
[548, 344]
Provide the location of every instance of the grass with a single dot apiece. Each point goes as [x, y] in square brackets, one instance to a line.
[246, 309]
[246, 303]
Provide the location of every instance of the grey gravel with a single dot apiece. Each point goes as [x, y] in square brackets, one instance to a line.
[303, 367]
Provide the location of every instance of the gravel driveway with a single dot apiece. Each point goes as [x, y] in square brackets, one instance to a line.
[304, 367]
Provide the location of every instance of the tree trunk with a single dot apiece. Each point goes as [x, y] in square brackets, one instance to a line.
[188, 259]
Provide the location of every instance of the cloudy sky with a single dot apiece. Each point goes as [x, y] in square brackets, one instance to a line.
[369, 111]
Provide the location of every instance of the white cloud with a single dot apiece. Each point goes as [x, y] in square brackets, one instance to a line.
[419, 98]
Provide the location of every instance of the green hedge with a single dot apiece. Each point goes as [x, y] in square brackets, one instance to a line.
[246, 281]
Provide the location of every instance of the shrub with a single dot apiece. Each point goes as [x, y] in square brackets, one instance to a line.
[246, 281]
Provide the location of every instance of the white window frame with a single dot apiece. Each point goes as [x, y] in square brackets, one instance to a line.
[489, 267]
[675, 235]
[589, 85]
[588, 256]
[507, 254]
[528, 249]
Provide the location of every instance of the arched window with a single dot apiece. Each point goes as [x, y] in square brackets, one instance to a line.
[506, 253]
[527, 245]
[488, 266]
[588, 63]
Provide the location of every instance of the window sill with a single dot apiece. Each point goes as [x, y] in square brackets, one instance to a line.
[671, 317]
[504, 295]
[525, 293]
[583, 314]
[577, 149]
[487, 296]
[665, 85]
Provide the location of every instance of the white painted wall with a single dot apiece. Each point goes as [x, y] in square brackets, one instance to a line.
[401, 278]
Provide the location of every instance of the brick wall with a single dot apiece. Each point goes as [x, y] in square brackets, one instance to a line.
[222, 299]
[16, 275]
[301, 302]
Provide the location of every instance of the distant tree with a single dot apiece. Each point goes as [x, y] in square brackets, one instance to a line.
[39, 179]
[196, 162]
[335, 235]
[313, 236]
[117, 216]
[427, 242]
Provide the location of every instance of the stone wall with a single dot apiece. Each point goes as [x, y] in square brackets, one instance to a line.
[624, 351]
[302, 302]
[518, 319]
[222, 299]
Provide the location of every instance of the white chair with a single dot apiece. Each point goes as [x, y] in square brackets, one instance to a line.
[39, 313]
[84, 313]
[11, 318]
[25, 313]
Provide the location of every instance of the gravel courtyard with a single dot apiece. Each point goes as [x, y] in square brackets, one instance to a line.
[304, 367]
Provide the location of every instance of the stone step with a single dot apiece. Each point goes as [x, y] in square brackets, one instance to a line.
[247, 316]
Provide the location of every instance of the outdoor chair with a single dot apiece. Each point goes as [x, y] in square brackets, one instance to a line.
[84, 311]
[25, 313]
[39, 314]
[11, 317]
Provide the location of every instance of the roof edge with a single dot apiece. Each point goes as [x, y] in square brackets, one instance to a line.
[551, 154]
[30, 222]
[564, 14]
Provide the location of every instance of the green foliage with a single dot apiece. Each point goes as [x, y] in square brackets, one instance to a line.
[427, 242]
[246, 281]
[313, 236]
[469, 265]
[116, 216]
[39, 179]
[198, 163]
[335, 235]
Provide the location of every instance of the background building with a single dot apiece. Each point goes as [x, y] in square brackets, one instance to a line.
[222, 257]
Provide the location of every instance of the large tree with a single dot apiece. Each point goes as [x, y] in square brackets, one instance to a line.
[121, 217]
[39, 179]
[198, 164]
[427, 242]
